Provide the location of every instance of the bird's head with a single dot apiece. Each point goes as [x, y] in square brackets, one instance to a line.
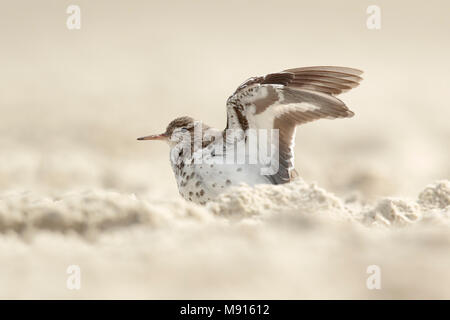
[177, 130]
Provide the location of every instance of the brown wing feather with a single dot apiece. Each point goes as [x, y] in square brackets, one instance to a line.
[330, 108]
[316, 86]
[331, 80]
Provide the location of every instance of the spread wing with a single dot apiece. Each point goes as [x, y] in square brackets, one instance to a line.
[289, 98]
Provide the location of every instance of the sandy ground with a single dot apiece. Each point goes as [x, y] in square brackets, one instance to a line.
[77, 189]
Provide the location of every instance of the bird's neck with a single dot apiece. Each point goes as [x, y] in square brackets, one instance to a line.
[197, 139]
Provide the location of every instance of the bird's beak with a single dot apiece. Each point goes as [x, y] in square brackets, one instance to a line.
[161, 136]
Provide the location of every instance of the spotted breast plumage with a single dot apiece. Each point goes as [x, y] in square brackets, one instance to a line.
[257, 145]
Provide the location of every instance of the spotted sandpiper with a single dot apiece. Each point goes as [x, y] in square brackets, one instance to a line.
[205, 161]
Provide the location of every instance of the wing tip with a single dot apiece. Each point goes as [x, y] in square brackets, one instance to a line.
[348, 70]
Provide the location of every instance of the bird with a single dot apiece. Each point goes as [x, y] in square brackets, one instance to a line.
[207, 161]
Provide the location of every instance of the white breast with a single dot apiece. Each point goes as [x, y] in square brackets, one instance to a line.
[205, 175]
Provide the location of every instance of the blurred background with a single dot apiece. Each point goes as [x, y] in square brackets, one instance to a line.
[73, 102]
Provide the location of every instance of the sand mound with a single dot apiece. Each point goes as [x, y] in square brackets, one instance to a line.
[291, 241]
[436, 195]
[90, 212]
[309, 199]
[267, 199]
